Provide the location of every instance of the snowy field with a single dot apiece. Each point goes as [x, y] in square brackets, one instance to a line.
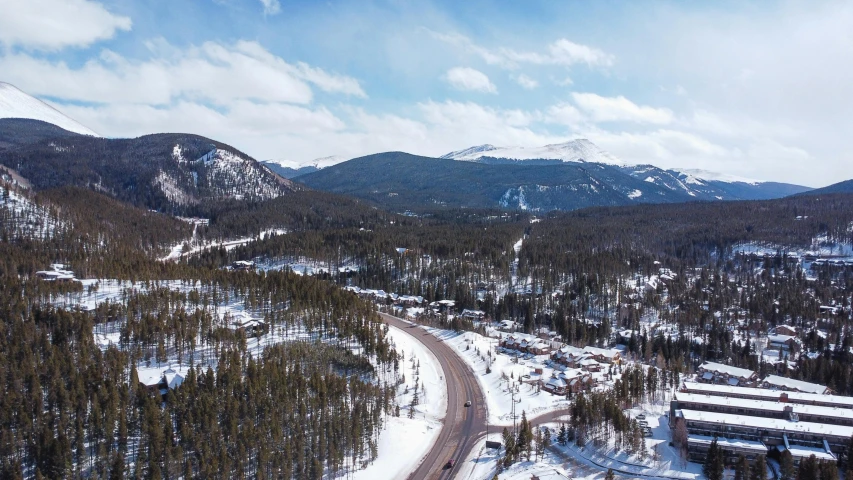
[406, 441]
[482, 464]
[505, 374]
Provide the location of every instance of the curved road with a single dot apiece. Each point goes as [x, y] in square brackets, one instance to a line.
[462, 426]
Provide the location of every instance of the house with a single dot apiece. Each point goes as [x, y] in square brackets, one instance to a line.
[786, 330]
[442, 306]
[555, 385]
[523, 342]
[568, 355]
[785, 342]
[577, 380]
[57, 273]
[473, 314]
[251, 327]
[243, 265]
[590, 364]
[539, 348]
[507, 326]
[711, 372]
[604, 355]
[409, 300]
[159, 382]
[568, 381]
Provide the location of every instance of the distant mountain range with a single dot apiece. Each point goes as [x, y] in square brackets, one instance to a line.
[564, 176]
[177, 172]
[581, 150]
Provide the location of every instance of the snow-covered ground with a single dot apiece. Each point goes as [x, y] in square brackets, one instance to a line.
[663, 461]
[505, 375]
[194, 246]
[482, 464]
[26, 218]
[406, 441]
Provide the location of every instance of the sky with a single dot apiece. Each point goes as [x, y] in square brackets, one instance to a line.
[762, 89]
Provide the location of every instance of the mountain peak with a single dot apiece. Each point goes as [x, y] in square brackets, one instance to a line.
[15, 103]
[469, 151]
[579, 150]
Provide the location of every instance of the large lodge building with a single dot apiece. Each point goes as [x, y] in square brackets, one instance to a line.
[755, 421]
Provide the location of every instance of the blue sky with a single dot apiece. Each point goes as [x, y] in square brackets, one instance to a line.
[762, 90]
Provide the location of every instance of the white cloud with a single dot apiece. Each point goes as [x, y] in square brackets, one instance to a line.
[562, 52]
[213, 73]
[241, 121]
[55, 24]
[526, 82]
[615, 109]
[565, 114]
[271, 7]
[464, 78]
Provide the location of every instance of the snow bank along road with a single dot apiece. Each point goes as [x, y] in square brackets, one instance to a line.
[462, 425]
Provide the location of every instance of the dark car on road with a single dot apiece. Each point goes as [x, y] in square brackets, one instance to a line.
[450, 463]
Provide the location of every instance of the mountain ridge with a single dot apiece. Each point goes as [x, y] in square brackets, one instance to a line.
[15, 103]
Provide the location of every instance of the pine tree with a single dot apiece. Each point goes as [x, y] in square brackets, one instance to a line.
[786, 466]
[714, 462]
[759, 469]
[610, 475]
[742, 468]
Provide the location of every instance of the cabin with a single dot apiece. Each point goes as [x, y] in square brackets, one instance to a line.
[158, 382]
[243, 265]
[251, 327]
[786, 330]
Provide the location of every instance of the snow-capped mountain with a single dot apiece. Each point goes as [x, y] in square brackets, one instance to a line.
[580, 150]
[16, 104]
[704, 185]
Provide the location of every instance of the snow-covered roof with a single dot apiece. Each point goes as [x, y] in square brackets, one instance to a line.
[606, 352]
[792, 384]
[557, 382]
[793, 397]
[732, 443]
[799, 452]
[768, 423]
[727, 370]
[765, 405]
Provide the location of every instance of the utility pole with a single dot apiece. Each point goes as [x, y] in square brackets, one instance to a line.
[512, 396]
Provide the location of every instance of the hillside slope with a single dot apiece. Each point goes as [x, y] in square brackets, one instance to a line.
[401, 180]
[16, 104]
[165, 172]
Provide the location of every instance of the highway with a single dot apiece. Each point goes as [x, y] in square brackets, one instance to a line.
[463, 426]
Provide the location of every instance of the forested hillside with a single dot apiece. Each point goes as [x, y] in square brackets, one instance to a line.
[166, 172]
